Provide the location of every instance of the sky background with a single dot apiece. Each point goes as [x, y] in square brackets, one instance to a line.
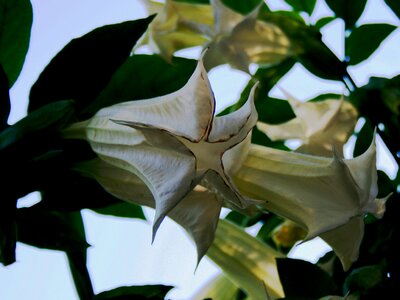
[121, 251]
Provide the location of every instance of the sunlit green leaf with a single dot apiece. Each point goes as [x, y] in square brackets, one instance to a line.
[349, 11]
[85, 65]
[305, 5]
[4, 99]
[312, 284]
[136, 79]
[364, 40]
[153, 292]
[394, 5]
[15, 32]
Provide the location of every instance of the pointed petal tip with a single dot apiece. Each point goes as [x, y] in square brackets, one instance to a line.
[156, 224]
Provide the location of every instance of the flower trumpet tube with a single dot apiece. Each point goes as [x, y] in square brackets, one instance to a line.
[326, 196]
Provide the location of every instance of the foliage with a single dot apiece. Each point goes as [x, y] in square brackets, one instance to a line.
[100, 69]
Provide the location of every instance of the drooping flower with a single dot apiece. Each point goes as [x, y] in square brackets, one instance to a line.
[230, 37]
[178, 25]
[241, 40]
[321, 126]
[328, 197]
[173, 143]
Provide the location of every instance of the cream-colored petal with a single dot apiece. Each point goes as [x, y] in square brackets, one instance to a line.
[192, 105]
[225, 19]
[292, 129]
[246, 261]
[321, 126]
[198, 212]
[345, 240]
[236, 125]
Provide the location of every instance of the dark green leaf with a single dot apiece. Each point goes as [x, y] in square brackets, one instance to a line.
[137, 79]
[262, 139]
[364, 139]
[324, 21]
[303, 5]
[51, 230]
[385, 185]
[274, 111]
[313, 282]
[53, 116]
[364, 40]
[84, 67]
[364, 278]
[122, 209]
[242, 220]
[5, 105]
[394, 6]
[8, 233]
[153, 292]
[243, 7]
[15, 32]
[391, 94]
[349, 11]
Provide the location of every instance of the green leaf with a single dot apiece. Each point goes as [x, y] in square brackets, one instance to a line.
[80, 274]
[260, 138]
[153, 292]
[364, 278]
[274, 111]
[51, 230]
[303, 5]
[53, 116]
[313, 282]
[15, 32]
[122, 209]
[364, 139]
[385, 185]
[243, 7]
[391, 94]
[324, 21]
[241, 219]
[5, 104]
[349, 11]
[137, 79]
[364, 40]
[394, 6]
[85, 65]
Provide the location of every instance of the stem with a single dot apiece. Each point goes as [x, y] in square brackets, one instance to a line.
[80, 274]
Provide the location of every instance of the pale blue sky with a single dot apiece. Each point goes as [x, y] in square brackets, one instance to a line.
[121, 252]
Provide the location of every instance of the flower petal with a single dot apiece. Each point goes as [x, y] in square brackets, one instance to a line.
[236, 125]
[193, 103]
[246, 261]
[198, 212]
[347, 249]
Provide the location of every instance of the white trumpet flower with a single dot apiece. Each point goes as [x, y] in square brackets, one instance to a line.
[326, 196]
[321, 126]
[230, 37]
[174, 142]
